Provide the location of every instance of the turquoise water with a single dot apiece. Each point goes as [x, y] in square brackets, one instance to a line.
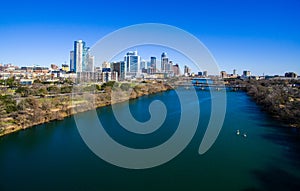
[54, 157]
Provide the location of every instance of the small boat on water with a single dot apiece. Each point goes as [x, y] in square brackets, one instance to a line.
[238, 133]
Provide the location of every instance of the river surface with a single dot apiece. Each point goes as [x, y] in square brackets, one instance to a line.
[53, 156]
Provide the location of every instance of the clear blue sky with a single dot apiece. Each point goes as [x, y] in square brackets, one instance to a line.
[257, 35]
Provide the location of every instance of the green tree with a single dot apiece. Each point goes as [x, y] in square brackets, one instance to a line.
[110, 83]
[89, 88]
[125, 86]
[53, 89]
[11, 82]
[42, 91]
[98, 87]
[37, 81]
[8, 82]
[66, 89]
[8, 103]
[23, 91]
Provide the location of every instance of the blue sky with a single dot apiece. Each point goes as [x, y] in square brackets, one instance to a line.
[260, 36]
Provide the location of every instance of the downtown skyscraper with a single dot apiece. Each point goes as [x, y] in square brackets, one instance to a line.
[153, 63]
[132, 60]
[80, 58]
[164, 61]
[166, 65]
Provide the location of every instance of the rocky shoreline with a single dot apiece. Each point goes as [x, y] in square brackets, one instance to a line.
[35, 111]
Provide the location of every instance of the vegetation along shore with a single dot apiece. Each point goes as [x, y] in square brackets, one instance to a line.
[22, 107]
[278, 97]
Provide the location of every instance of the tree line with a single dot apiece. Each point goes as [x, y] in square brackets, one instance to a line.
[281, 98]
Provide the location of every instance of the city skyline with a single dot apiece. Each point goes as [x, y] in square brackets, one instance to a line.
[87, 64]
[260, 36]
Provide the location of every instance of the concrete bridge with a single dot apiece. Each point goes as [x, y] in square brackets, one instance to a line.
[205, 83]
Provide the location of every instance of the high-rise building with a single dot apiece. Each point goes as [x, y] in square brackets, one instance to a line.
[234, 72]
[132, 60]
[164, 62]
[143, 64]
[176, 70]
[120, 68]
[72, 66]
[246, 73]
[79, 47]
[223, 74]
[153, 62]
[91, 63]
[168, 67]
[205, 74]
[187, 70]
[88, 64]
[80, 58]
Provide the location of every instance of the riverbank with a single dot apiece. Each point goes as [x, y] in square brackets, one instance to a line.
[58, 159]
[279, 98]
[32, 111]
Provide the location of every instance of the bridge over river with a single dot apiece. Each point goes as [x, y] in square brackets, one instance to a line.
[207, 83]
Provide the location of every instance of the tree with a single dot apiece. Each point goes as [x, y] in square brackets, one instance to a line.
[9, 103]
[89, 88]
[10, 82]
[110, 83]
[53, 89]
[66, 89]
[125, 86]
[37, 81]
[42, 91]
[24, 91]
[98, 87]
